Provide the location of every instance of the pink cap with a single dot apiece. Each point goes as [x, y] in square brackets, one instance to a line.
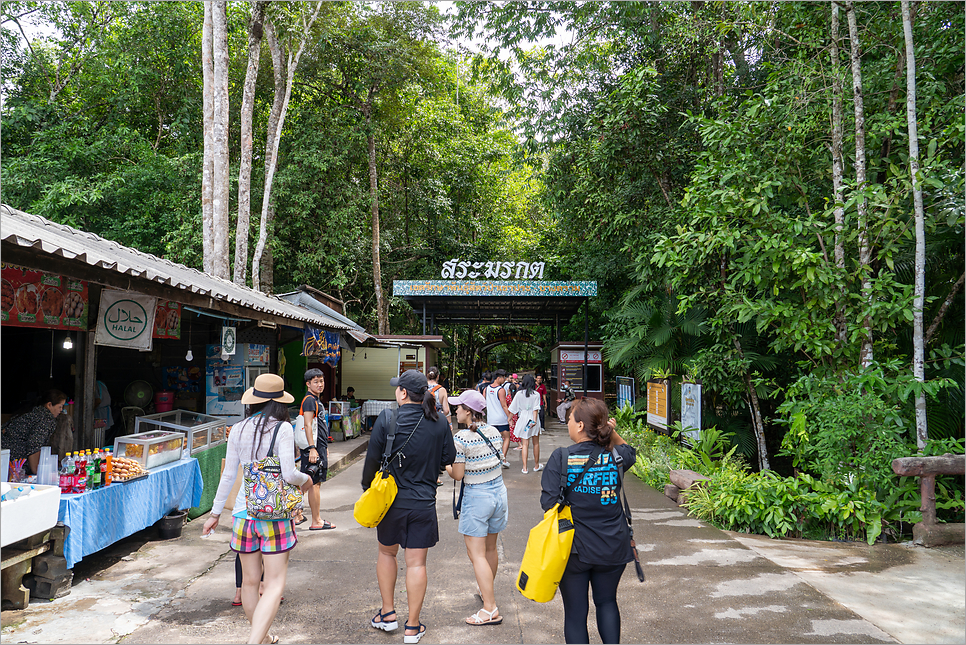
[471, 399]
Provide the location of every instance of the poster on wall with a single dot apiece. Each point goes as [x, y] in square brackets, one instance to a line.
[125, 319]
[167, 320]
[325, 344]
[182, 379]
[42, 300]
[658, 403]
[691, 409]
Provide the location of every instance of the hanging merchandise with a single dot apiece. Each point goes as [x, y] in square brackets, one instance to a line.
[125, 319]
[332, 349]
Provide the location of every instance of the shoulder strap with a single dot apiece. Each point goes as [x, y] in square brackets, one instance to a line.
[626, 508]
[392, 437]
[564, 489]
[302, 405]
[271, 446]
[487, 440]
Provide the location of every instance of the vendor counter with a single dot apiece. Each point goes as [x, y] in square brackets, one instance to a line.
[101, 517]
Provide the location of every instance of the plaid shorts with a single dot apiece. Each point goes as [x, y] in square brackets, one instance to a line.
[267, 536]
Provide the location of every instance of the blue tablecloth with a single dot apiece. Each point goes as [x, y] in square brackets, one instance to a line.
[99, 518]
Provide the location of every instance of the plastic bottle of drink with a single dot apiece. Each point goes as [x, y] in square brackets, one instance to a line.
[104, 454]
[81, 478]
[96, 470]
[108, 476]
[67, 475]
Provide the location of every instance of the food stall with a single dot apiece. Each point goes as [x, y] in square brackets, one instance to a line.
[345, 422]
[205, 439]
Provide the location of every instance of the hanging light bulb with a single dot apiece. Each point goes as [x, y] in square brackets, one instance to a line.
[68, 343]
[189, 356]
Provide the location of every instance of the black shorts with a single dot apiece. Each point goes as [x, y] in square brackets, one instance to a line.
[409, 529]
[318, 471]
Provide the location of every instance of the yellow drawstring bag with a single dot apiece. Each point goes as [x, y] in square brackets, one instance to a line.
[549, 545]
[375, 502]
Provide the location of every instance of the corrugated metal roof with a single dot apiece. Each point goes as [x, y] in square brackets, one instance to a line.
[33, 231]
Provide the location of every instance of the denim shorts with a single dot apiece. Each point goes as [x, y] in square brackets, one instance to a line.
[484, 508]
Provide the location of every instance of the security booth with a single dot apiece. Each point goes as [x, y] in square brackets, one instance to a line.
[570, 361]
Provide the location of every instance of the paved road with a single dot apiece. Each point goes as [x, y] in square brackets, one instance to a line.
[703, 585]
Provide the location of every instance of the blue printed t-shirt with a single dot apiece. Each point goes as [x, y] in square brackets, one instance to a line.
[601, 535]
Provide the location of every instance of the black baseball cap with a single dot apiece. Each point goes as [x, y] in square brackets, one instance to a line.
[412, 380]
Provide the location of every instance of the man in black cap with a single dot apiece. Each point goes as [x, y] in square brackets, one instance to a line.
[421, 444]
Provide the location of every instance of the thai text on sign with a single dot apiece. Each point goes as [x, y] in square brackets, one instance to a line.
[657, 404]
[460, 269]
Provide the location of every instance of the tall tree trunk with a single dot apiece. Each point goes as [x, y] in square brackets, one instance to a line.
[757, 422]
[220, 179]
[381, 313]
[207, 167]
[255, 26]
[865, 249]
[271, 159]
[918, 351]
[278, 71]
[838, 171]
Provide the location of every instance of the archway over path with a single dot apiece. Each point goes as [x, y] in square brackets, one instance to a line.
[495, 302]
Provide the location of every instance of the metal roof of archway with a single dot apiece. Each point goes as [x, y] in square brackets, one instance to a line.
[519, 302]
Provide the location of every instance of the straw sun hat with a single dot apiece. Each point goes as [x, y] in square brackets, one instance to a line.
[268, 387]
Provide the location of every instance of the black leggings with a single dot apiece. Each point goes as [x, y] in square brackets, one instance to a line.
[603, 579]
[238, 572]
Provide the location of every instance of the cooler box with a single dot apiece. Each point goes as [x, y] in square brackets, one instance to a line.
[28, 514]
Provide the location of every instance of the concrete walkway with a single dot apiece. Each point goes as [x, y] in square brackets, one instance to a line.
[703, 585]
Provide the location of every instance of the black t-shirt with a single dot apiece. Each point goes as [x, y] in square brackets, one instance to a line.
[430, 448]
[601, 535]
[312, 404]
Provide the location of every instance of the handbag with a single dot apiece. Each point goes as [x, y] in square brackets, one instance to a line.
[375, 502]
[549, 544]
[626, 510]
[267, 495]
[458, 505]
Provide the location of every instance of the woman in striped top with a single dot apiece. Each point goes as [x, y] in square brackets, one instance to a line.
[484, 512]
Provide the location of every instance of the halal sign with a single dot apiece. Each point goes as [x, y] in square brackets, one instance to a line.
[125, 320]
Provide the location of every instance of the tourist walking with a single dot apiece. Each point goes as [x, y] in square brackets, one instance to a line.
[263, 545]
[484, 510]
[440, 394]
[497, 410]
[526, 405]
[542, 389]
[422, 445]
[602, 541]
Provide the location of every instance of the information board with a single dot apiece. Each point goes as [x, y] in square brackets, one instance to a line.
[658, 403]
[691, 409]
[625, 392]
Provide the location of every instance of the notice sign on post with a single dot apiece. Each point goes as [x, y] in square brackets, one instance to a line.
[691, 409]
[658, 403]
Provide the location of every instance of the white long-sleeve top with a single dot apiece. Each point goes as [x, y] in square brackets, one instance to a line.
[241, 442]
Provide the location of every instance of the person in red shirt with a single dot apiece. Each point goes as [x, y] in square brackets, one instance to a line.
[542, 389]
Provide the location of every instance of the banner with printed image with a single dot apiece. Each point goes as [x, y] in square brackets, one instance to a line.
[167, 320]
[36, 299]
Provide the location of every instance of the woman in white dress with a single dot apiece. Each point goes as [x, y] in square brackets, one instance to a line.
[526, 404]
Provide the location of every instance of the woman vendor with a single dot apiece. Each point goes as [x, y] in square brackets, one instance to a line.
[26, 434]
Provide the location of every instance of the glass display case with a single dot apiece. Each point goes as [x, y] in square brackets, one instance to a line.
[201, 430]
[150, 449]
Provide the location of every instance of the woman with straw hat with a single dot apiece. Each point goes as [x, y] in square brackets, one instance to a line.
[262, 545]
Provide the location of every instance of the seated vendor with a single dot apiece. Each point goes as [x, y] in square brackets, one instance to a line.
[27, 434]
[350, 396]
